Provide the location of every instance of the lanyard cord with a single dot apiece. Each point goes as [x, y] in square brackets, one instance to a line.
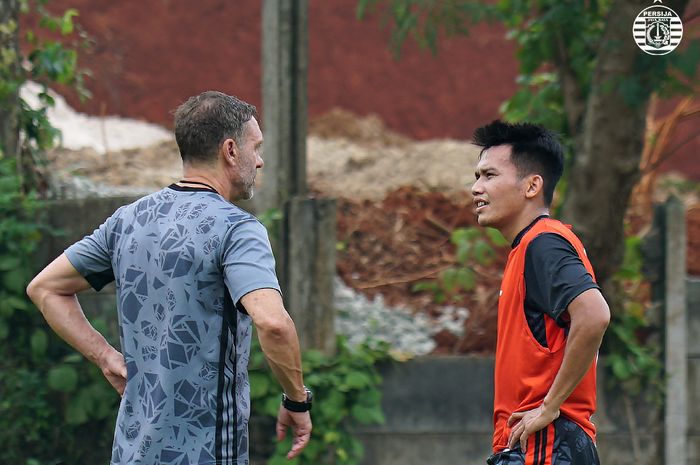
[198, 183]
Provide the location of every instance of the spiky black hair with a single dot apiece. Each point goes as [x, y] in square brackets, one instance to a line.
[534, 150]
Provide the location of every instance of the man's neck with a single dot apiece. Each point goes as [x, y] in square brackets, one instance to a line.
[206, 176]
[524, 220]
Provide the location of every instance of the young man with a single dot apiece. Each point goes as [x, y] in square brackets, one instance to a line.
[551, 314]
[193, 272]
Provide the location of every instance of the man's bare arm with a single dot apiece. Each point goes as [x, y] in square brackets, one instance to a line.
[280, 344]
[278, 339]
[54, 291]
[590, 316]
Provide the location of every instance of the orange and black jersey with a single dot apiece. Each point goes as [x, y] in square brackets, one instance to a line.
[536, 289]
[554, 276]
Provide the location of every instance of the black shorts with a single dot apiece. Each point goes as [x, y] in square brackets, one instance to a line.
[561, 443]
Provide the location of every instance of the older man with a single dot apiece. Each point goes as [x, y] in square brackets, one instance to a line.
[193, 274]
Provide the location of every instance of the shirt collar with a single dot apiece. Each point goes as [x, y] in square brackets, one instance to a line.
[520, 235]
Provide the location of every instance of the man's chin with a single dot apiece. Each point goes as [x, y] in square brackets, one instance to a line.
[483, 221]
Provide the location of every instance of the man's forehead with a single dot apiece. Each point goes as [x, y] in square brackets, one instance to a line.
[252, 129]
[494, 156]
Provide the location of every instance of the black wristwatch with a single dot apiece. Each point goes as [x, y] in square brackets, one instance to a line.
[294, 406]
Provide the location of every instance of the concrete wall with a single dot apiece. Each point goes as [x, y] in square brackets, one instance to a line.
[439, 409]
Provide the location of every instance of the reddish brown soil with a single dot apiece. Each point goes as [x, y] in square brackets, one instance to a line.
[405, 239]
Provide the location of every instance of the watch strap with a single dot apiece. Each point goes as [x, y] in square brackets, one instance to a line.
[294, 406]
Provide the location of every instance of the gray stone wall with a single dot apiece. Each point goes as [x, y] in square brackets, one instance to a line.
[439, 412]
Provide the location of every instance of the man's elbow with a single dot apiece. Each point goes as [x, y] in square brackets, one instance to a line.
[35, 291]
[277, 328]
[600, 320]
[591, 313]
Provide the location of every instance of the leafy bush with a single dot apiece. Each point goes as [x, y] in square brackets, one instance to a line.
[473, 246]
[347, 388]
[634, 363]
[54, 407]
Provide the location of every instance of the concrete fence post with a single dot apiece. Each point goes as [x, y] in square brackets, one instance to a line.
[676, 344]
[305, 244]
[309, 257]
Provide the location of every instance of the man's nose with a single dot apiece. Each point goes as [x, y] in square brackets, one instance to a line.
[476, 187]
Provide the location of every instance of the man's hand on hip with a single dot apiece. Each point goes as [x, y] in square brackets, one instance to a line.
[113, 367]
[524, 424]
[300, 422]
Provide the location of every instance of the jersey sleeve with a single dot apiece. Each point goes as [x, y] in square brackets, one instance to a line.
[247, 260]
[92, 255]
[554, 275]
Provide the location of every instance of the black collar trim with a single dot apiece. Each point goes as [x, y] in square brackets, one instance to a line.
[520, 235]
[175, 187]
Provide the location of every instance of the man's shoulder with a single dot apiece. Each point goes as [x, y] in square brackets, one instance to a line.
[552, 232]
[167, 202]
[549, 240]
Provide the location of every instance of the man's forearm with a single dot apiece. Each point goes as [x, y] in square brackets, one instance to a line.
[65, 316]
[581, 348]
[589, 319]
[281, 348]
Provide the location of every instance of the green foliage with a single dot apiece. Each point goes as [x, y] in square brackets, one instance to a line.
[48, 61]
[271, 219]
[555, 40]
[472, 246]
[346, 388]
[424, 21]
[635, 366]
[49, 396]
[54, 406]
[56, 61]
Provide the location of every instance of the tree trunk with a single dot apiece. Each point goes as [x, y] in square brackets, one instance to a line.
[9, 77]
[609, 149]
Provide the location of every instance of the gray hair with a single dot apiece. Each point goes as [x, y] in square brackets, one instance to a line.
[204, 121]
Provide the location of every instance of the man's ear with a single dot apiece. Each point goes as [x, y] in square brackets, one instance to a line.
[230, 150]
[534, 185]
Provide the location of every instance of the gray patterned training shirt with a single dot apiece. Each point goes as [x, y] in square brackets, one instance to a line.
[181, 258]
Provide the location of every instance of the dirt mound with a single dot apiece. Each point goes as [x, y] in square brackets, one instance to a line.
[360, 158]
[389, 246]
[147, 168]
[348, 157]
[342, 124]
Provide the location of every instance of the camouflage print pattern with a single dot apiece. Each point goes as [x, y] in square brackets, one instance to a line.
[181, 259]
